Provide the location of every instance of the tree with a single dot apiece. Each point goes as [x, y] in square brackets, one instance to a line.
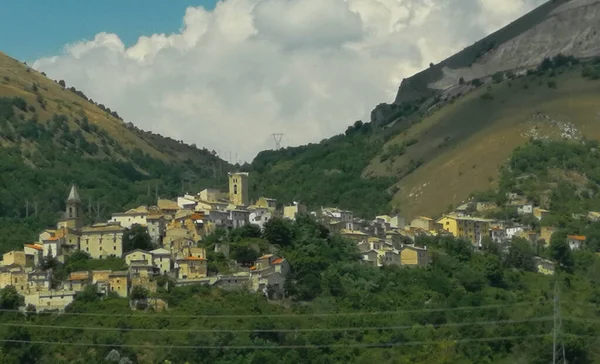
[137, 238]
[244, 255]
[62, 83]
[494, 271]
[16, 349]
[89, 294]
[10, 299]
[247, 231]
[561, 252]
[520, 255]
[278, 232]
[139, 293]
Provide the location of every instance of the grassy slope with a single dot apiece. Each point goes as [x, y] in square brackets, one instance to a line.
[481, 135]
[62, 101]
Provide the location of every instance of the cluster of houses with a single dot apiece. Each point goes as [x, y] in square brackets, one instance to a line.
[177, 226]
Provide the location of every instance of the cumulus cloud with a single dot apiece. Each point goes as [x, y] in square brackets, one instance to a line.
[249, 68]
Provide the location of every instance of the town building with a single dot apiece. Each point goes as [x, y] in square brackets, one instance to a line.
[575, 241]
[473, 229]
[238, 189]
[292, 211]
[102, 240]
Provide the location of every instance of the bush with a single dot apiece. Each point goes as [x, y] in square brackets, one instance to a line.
[552, 84]
[498, 77]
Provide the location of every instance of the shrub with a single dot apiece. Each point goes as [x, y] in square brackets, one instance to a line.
[498, 77]
[552, 84]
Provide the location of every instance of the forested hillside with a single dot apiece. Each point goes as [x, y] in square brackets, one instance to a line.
[52, 136]
[434, 153]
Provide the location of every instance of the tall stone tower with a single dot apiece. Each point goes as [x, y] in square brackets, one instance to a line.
[73, 214]
[238, 189]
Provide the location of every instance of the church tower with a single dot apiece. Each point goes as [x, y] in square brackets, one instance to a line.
[73, 214]
[238, 189]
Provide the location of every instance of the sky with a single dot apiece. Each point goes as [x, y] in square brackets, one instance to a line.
[227, 75]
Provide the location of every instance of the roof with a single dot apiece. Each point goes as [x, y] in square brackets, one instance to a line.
[413, 247]
[52, 238]
[34, 246]
[167, 205]
[197, 216]
[352, 232]
[103, 227]
[423, 218]
[79, 276]
[266, 256]
[119, 273]
[73, 194]
[576, 237]
[193, 258]
[136, 251]
[253, 267]
[278, 261]
[160, 251]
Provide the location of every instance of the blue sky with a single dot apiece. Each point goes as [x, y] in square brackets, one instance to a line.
[31, 29]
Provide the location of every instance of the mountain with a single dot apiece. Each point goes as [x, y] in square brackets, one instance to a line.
[52, 135]
[453, 125]
[568, 27]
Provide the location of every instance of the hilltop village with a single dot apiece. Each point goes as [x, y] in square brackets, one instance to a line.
[177, 228]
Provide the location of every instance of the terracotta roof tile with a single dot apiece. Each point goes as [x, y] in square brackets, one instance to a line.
[576, 237]
[277, 261]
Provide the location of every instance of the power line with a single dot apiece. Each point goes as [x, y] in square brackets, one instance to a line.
[253, 347]
[332, 314]
[349, 329]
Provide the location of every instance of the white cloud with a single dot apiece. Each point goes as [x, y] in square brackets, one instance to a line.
[307, 68]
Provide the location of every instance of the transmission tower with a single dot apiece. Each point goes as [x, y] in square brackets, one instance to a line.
[558, 344]
[277, 138]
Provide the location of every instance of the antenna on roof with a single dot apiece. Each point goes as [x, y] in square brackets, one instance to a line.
[277, 138]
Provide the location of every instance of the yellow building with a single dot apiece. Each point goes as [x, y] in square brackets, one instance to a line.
[267, 203]
[138, 255]
[291, 212]
[14, 275]
[540, 213]
[162, 260]
[102, 240]
[119, 283]
[78, 280]
[547, 232]
[412, 256]
[423, 222]
[210, 195]
[50, 300]
[192, 268]
[353, 234]
[470, 228]
[100, 276]
[14, 257]
[238, 189]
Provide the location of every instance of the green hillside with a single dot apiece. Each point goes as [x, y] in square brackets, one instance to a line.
[52, 136]
[434, 157]
[465, 308]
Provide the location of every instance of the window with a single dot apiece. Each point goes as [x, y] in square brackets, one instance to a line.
[87, 249]
[114, 248]
[235, 189]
